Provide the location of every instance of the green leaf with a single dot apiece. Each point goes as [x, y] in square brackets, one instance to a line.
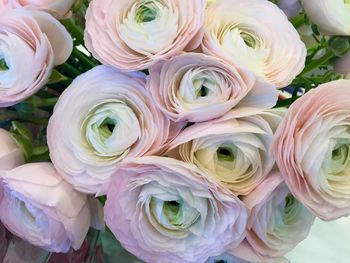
[57, 77]
[24, 144]
[19, 129]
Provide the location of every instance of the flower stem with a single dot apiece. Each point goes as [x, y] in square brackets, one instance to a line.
[93, 244]
[318, 62]
[85, 60]
[42, 102]
[70, 70]
[76, 31]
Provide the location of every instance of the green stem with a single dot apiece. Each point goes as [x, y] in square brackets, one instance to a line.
[92, 248]
[318, 62]
[46, 260]
[42, 102]
[70, 70]
[76, 31]
[83, 58]
[286, 102]
[298, 20]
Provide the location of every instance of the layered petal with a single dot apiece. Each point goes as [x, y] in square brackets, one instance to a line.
[54, 221]
[163, 210]
[332, 16]
[195, 87]
[233, 152]
[277, 221]
[116, 119]
[31, 43]
[311, 147]
[257, 35]
[135, 34]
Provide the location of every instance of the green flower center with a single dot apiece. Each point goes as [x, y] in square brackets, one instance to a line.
[202, 86]
[226, 153]
[146, 13]
[171, 211]
[289, 203]
[177, 215]
[106, 128]
[3, 65]
[340, 155]
[248, 39]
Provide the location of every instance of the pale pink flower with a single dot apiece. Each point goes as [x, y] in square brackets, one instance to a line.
[231, 151]
[58, 8]
[257, 35]
[195, 87]
[312, 149]
[42, 209]
[11, 155]
[163, 210]
[103, 117]
[133, 34]
[277, 221]
[31, 43]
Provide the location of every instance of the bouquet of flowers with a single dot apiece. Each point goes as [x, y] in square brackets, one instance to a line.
[170, 131]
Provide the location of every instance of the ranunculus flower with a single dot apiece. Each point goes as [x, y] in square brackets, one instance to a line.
[133, 34]
[42, 209]
[58, 8]
[312, 149]
[10, 154]
[234, 152]
[257, 35]
[195, 87]
[32, 42]
[164, 210]
[277, 221]
[103, 117]
[332, 16]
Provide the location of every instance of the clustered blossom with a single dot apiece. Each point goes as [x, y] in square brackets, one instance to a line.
[311, 147]
[31, 43]
[176, 130]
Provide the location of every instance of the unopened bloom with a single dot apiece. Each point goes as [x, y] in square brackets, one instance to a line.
[195, 87]
[163, 210]
[257, 35]
[31, 43]
[134, 34]
[312, 149]
[103, 117]
[41, 208]
[332, 16]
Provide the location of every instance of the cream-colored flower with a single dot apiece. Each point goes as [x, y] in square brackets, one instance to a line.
[257, 35]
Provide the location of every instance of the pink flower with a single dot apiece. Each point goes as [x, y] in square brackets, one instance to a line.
[32, 42]
[195, 87]
[231, 151]
[163, 210]
[277, 221]
[58, 8]
[312, 149]
[132, 34]
[116, 120]
[11, 155]
[42, 209]
[257, 35]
